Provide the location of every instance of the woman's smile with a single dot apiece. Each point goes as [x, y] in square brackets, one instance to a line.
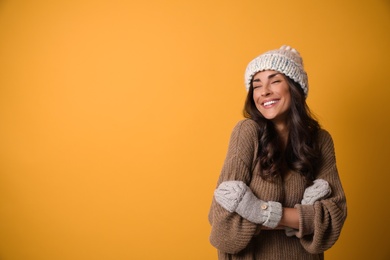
[270, 103]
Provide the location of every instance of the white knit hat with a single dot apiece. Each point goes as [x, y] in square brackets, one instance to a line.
[285, 60]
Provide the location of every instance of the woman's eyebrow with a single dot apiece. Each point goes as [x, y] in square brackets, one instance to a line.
[269, 77]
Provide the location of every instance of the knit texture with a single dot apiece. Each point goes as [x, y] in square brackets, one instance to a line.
[235, 196]
[285, 60]
[319, 190]
[320, 224]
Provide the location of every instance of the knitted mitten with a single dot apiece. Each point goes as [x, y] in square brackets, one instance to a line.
[236, 196]
[319, 190]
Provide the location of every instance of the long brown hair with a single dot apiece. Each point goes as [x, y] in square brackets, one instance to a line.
[302, 153]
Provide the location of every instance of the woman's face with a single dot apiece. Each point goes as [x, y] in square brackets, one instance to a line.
[272, 96]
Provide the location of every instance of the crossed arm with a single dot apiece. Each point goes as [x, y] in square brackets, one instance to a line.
[236, 196]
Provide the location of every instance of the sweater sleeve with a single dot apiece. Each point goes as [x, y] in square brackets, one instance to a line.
[230, 233]
[320, 224]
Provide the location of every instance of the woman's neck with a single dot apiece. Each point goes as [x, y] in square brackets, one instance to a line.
[283, 131]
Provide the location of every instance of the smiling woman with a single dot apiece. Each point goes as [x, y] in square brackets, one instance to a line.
[279, 195]
[271, 96]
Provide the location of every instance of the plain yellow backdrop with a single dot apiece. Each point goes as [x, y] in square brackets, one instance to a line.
[115, 118]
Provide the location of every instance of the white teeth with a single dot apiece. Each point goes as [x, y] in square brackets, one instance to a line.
[268, 103]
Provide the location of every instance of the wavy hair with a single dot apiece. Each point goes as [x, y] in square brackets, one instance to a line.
[302, 152]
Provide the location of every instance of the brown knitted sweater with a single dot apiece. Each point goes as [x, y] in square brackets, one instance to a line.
[320, 224]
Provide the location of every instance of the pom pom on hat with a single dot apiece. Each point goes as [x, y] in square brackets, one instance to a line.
[285, 60]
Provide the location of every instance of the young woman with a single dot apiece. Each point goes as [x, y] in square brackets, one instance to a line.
[279, 195]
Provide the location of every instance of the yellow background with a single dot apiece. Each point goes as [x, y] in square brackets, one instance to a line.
[115, 118]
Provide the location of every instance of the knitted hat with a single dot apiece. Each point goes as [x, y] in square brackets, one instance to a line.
[285, 60]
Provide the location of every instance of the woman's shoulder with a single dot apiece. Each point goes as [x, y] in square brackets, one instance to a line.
[323, 133]
[324, 137]
[244, 137]
[245, 129]
[246, 125]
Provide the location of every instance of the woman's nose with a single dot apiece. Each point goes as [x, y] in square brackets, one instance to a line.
[266, 91]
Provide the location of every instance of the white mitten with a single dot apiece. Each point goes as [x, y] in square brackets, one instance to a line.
[236, 196]
[229, 194]
[318, 191]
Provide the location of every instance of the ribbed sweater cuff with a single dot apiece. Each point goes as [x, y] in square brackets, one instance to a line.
[306, 220]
